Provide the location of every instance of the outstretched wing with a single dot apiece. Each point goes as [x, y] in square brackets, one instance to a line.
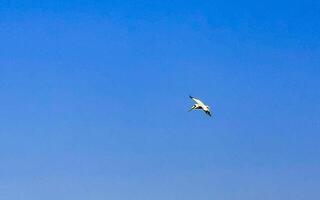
[197, 100]
[207, 112]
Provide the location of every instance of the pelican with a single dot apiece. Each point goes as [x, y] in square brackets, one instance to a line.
[200, 105]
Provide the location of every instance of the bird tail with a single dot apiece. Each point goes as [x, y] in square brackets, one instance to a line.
[193, 107]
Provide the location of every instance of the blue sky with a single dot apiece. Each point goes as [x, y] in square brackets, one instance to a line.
[94, 100]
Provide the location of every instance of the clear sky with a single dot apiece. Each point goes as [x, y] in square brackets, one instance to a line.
[94, 100]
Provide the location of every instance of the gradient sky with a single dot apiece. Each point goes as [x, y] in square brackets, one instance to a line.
[94, 100]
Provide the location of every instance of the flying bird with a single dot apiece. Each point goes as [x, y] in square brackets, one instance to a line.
[199, 105]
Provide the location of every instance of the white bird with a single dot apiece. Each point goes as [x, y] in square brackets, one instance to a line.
[200, 105]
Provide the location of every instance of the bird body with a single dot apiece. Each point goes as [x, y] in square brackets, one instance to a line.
[199, 105]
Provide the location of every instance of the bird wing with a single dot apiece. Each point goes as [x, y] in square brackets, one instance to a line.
[206, 109]
[197, 101]
[207, 112]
